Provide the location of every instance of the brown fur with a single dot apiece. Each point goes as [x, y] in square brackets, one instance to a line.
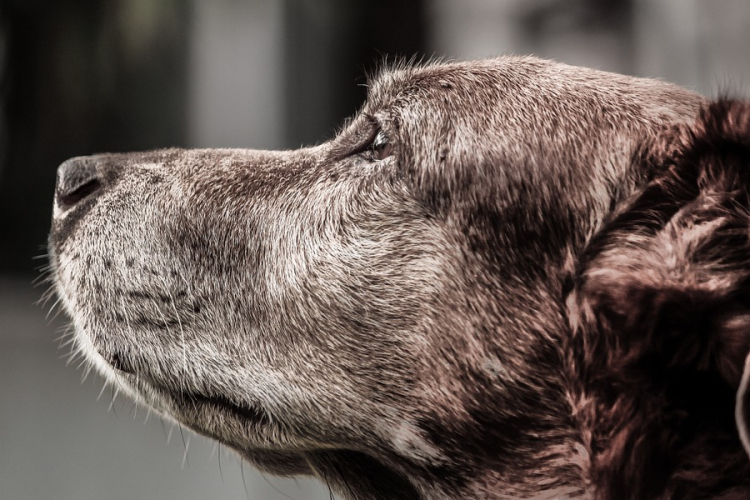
[664, 321]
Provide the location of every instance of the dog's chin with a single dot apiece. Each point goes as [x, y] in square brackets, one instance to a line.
[277, 463]
[243, 426]
[246, 428]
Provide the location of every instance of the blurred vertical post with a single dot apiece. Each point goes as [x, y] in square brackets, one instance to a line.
[236, 74]
[280, 74]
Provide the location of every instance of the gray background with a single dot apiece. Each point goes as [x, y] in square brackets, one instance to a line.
[84, 76]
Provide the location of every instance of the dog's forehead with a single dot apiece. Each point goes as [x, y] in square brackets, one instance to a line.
[396, 82]
[524, 82]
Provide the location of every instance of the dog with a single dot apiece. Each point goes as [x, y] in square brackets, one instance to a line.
[505, 278]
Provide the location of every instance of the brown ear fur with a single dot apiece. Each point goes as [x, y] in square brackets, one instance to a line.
[661, 310]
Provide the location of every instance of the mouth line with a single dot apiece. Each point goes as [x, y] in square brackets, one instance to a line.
[193, 403]
[249, 413]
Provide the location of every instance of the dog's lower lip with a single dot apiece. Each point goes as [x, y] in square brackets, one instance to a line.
[250, 413]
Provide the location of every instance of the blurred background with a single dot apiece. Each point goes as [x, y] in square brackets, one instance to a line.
[85, 76]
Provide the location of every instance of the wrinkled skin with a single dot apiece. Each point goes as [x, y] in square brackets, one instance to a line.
[405, 311]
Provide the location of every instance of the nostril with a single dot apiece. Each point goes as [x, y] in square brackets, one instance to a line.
[77, 179]
[79, 193]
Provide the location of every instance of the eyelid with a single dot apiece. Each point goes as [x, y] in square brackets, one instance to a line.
[368, 142]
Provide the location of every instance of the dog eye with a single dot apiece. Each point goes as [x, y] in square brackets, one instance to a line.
[380, 149]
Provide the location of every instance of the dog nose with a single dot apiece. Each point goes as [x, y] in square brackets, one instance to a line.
[77, 179]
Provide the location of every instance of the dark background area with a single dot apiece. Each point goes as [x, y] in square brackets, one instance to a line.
[84, 76]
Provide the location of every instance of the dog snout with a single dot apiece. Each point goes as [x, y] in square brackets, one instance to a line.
[77, 179]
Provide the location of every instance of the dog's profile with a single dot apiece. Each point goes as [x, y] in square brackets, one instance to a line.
[507, 278]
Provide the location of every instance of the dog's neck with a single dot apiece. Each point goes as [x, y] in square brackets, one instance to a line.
[491, 457]
[557, 474]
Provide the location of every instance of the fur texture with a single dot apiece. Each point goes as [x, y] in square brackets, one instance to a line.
[507, 278]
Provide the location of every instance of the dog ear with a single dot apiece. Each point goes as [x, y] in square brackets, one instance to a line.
[662, 304]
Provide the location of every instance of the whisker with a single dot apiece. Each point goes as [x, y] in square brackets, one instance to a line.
[54, 308]
[104, 386]
[70, 357]
[330, 492]
[65, 342]
[185, 455]
[115, 392]
[244, 483]
[221, 473]
[86, 372]
[185, 446]
[65, 338]
[269, 483]
[42, 278]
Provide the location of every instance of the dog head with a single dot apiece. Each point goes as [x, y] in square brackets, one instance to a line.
[502, 278]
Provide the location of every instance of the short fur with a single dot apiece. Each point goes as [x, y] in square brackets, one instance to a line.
[538, 288]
